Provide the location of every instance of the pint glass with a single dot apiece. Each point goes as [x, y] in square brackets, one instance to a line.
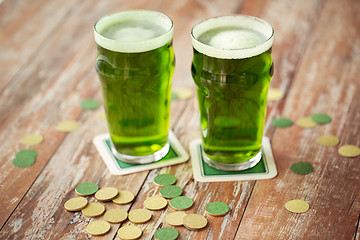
[135, 63]
[232, 68]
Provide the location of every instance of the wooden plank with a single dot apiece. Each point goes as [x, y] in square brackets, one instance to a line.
[25, 29]
[326, 81]
[51, 87]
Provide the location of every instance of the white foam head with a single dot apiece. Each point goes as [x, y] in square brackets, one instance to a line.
[232, 37]
[133, 31]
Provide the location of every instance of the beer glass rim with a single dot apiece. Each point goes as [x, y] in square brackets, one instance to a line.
[133, 46]
[223, 53]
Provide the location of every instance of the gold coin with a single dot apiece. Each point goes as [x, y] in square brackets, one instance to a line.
[124, 197]
[194, 221]
[175, 218]
[102, 116]
[139, 215]
[116, 215]
[93, 210]
[328, 140]
[32, 139]
[297, 206]
[98, 228]
[106, 194]
[67, 126]
[129, 232]
[75, 204]
[184, 93]
[306, 122]
[275, 94]
[155, 203]
[349, 151]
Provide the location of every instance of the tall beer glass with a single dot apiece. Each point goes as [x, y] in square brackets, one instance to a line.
[135, 63]
[232, 68]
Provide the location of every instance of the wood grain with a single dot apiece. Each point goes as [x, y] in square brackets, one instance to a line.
[326, 85]
[47, 54]
[55, 83]
[25, 29]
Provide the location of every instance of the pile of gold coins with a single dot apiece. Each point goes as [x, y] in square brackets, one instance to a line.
[138, 216]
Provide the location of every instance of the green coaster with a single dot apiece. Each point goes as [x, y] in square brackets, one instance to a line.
[265, 169]
[217, 208]
[282, 122]
[210, 171]
[177, 154]
[123, 165]
[26, 153]
[302, 168]
[24, 161]
[89, 104]
[86, 188]
[181, 203]
[321, 118]
[166, 233]
[171, 191]
[165, 179]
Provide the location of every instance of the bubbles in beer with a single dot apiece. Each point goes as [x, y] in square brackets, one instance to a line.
[133, 31]
[130, 31]
[232, 38]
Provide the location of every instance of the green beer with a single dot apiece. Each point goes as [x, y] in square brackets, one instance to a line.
[232, 68]
[135, 63]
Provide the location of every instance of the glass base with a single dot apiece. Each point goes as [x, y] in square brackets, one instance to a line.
[235, 166]
[156, 156]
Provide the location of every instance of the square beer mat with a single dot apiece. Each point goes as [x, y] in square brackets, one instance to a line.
[265, 169]
[176, 155]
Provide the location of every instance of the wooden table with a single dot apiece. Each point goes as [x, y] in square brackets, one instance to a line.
[47, 55]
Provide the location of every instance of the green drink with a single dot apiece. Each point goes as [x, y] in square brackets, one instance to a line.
[135, 63]
[232, 68]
